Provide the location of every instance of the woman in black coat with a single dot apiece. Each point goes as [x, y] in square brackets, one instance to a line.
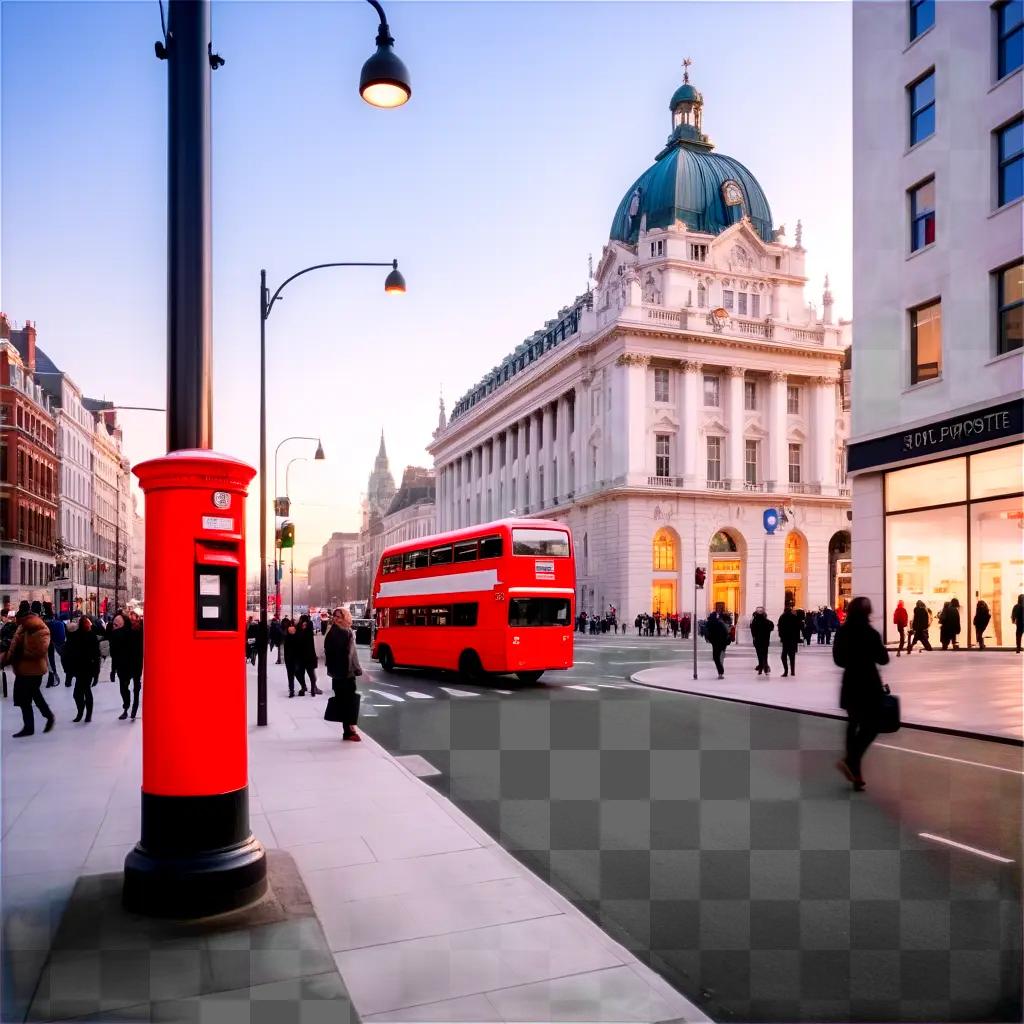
[982, 617]
[82, 664]
[306, 654]
[343, 666]
[789, 637]
[858, 651]
[761, 628]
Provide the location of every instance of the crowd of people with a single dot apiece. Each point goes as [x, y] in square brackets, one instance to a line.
[36, 644]
[915, 627]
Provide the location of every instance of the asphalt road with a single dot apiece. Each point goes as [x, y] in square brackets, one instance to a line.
[719, 843]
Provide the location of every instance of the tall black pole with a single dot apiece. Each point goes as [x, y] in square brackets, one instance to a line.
[261, 650]
[189, 230]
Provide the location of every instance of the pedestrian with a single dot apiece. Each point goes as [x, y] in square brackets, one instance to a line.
[858, 652]
[919, 626]
[58, 637]
[306, 653]
[27, 657]
[275, 637]
[761, 628]
[252, 630]
[638, 622]
[821, 620]
[291, 646]
[130, 669]
[82, 664]
[1017, 619]
[810, 626]
[115, 638]
[342, 661]
[7, 630]
[789, 637]
[831, 624]
[949, 624]
[716, 633]
[900, 618]
[982, 617]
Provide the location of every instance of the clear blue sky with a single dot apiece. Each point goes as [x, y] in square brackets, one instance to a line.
[527, 124]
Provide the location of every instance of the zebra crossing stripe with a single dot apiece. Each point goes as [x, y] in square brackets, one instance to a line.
[504, 693]
[420, 696]
[452, 692]
[580, 686]
[389, 696]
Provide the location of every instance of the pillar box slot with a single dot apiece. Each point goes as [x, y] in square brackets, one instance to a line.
[217, 569]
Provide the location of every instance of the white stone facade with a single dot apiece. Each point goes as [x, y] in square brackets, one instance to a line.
[613, 422]
[75, 426]
[976, 378]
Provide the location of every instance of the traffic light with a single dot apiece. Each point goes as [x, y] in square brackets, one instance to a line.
[699, 576]
[287, 534]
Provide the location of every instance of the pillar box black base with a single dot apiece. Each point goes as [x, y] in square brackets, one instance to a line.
[196, 857]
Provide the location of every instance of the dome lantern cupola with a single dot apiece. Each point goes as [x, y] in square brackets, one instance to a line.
[687, 106]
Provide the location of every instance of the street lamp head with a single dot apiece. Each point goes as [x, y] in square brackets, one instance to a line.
[319, 451]
[384, 80]
[394, 283]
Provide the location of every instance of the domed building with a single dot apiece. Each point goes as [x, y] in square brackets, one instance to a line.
[662, 412]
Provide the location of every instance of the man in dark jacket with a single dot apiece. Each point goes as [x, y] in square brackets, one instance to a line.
[82, 665]
[761, 628]
[716, 632]
[1017, 620]
[919, 627]
[129, 668]
[27, 656]
[789, 637]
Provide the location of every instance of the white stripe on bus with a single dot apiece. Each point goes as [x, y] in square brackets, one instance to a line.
[447, 583]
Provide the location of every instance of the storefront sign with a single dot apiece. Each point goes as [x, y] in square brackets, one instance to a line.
[993, 424]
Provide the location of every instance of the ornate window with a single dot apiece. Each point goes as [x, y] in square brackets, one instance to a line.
[792, 555]
[664, 550]
[722, 543]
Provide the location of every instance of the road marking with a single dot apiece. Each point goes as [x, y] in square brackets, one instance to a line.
[611, 686]
[967, 849]
[459, 693]
[389, 696]
[380, 705]
[635, 661]
[943, 757]
[575, 663]
[505, 693]
[580, 686]
[420, 696]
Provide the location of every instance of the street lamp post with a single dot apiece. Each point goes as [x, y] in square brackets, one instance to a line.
[288, 498]
[394, 284]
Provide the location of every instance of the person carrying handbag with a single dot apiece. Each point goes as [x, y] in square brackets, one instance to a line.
[343, 666]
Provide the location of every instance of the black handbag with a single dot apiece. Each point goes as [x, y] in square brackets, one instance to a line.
[334, 712]
[889, 712]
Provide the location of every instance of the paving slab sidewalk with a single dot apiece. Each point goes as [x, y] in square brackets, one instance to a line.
[426, 916]
[976, 693]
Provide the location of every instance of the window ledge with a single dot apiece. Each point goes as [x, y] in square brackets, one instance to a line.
[923, 249]
[918, 145]
[920, 35]
[1006, 206]
[1005, 355]
[922, 384]
[995, 85]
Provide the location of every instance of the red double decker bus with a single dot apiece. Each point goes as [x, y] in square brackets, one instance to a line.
[492, 598]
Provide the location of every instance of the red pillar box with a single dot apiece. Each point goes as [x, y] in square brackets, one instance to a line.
[197, 855]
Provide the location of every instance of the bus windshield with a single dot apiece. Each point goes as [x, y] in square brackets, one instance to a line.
[538, 611]
[544, 543]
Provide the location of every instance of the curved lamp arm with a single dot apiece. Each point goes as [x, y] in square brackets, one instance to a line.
[268, 305]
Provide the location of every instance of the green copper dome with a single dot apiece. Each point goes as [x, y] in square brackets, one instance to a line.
[689, 182]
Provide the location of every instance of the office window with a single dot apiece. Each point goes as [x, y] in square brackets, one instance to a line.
[793, 399]
[661, 385]
[926, 342]
[658, 248]
[922, 215]
[749, 395]
[727, 298]
[698, 252]
[742, 307]
[1011, 161]
[1009, 308]
[750, 461]
[795, 460]
[922, 16]
[1009, 36]
[755, 305]
[714, 459]
[712, 393]
[662, 458]
[922, 107]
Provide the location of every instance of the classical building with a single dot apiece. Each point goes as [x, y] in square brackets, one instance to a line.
[661, 413]
[936, 454]
[28, 472]
[332, 573]
[412, 513]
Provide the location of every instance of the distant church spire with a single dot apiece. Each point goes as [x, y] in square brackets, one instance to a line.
[441, 418]
[382, 451]
[826, 301]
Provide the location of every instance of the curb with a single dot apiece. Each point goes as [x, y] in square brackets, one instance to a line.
[944, 730]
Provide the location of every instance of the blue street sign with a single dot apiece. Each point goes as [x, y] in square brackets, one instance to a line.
[771, 520]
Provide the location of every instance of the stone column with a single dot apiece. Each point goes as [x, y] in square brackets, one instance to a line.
[637, 461]
[544, 456]
[583, 400]
[506, 474]
[778, 452]
[690, 415]
[734, 459]
[823, 434]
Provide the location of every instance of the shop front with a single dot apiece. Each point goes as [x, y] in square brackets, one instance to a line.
[952, 527]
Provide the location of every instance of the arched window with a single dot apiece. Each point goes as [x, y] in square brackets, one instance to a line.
[664, 550]
[792, 563]
[722, 542]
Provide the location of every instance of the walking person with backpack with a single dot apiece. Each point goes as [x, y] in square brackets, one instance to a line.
[919, 628]
[858, 651]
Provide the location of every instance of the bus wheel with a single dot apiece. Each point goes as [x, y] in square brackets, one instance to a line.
[470, 668]
[386, 658]
[528, 677]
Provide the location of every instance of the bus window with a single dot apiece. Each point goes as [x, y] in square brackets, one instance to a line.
[466, 551]
[416, 559]
[538, 611]
[543, 543]
[490, 547]
[465, 615]
[393, 563]
[440, 616]
[441, 556]
[400, 617]
[419, 616]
